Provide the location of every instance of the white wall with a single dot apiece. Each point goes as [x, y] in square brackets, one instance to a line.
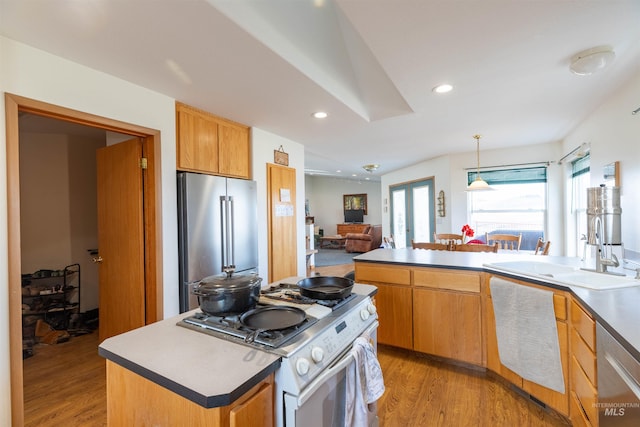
[38, 75]
[263, 145]
[450, 175]
[325, 195]
[614, 135]
[438, 168]
[35, 74]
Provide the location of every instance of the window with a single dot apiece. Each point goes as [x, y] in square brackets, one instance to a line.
[580, 181]
[518, 204]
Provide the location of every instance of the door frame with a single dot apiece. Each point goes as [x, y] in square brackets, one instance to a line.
[408, 187]
[15, 104]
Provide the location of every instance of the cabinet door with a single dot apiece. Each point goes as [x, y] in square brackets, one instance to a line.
[256, 411]
[197, 144]
[394, 314]
[448, 324]
[233, 150]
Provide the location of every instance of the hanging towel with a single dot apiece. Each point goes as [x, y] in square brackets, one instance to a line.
[364, 383]
[527, 333]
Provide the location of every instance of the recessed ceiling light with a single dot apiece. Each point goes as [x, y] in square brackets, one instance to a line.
[443, 88]
[320, 115]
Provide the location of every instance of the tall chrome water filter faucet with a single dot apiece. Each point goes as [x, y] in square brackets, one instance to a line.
[602, 262]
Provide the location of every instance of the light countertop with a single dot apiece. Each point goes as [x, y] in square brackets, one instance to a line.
[209, 371]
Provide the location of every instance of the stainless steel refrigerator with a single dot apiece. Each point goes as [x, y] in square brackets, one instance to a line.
[217, 227]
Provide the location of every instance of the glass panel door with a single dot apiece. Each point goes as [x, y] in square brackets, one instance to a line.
[412, 212]
[422, 212]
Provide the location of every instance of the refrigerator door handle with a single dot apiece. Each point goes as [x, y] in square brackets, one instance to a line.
[223, 231]
[230, 232]
[226, 220]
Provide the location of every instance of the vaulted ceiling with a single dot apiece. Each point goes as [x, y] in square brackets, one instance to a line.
[371, 65]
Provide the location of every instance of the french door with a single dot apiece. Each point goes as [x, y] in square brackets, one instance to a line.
[412, 212]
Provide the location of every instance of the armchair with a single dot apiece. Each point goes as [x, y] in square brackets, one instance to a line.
[369, 240]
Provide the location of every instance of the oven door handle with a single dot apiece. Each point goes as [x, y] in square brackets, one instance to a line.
[338, 366]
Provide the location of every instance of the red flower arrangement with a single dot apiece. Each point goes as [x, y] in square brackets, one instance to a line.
[467, 231]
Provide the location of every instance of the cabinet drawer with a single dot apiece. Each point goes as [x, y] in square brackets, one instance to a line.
[560, 306]
[445, 279]
[584, 391]
[584, 324]
[376, 273]
[585, 357]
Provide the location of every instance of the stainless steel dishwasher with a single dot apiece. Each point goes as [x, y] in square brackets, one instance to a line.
[618, 383]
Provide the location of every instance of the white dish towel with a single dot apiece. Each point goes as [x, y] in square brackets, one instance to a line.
[364, 383]
[527, 332]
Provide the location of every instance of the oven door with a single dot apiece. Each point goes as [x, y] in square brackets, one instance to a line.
[322, 402]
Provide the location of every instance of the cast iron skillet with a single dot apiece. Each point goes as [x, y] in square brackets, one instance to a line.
[325, 287]
[271, 318]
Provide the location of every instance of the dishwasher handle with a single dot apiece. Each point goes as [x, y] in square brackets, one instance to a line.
[631, 382]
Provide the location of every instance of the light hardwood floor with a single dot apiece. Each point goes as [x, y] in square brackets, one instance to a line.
[65, 385]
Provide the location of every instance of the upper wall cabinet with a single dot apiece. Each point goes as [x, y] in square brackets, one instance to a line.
[210, 144]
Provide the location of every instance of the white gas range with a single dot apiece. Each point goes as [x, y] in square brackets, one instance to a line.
[315, 355]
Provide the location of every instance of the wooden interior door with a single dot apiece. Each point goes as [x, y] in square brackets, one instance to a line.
[281, 200]
[120, 238]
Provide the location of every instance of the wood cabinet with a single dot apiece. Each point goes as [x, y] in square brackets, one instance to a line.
[435, 311]
[447, 317]
[344, 229]
[393, 302]
[558, 401]
[135, 401]
[584, 385]
[210, 144]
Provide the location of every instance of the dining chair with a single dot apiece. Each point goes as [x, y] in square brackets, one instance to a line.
[475, 248]
[429, 245]
[542, 247]
[448, 238]
[505, 241]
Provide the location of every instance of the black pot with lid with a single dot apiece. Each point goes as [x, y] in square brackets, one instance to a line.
[229, 293]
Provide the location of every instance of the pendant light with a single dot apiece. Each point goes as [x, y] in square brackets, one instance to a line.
[479, 183]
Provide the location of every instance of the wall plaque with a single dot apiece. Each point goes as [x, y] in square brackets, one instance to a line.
[280, 157]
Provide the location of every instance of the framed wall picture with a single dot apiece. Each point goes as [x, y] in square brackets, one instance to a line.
[355, 202]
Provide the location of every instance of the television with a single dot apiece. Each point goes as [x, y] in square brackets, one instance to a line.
[354, 215]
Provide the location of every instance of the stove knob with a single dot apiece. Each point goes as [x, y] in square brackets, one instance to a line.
[317, 354]
[371, 309]
[364, 314]
[302, 366]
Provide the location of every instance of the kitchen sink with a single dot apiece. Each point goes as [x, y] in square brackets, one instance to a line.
[565, 274]
[532, 267]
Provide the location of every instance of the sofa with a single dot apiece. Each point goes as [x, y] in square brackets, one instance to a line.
[368, 240]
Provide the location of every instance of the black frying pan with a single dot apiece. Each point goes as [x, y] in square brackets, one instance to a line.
[271, 318]
[325, 287]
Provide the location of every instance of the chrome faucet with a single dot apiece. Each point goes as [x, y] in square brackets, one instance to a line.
[602, 262]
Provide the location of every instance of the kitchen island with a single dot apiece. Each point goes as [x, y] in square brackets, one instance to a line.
[441, 303]
[165, 374]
